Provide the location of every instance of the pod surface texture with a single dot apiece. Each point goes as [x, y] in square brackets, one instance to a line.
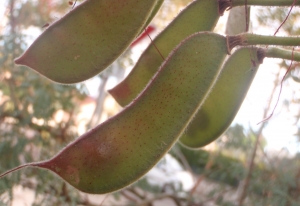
[225, 99]
[122, 149]
[87, 39]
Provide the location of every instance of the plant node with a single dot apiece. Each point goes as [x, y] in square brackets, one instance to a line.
[233, 41]
[261, 54]
[224, 5]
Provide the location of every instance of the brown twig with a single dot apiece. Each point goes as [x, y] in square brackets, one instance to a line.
[159, 197]
[294, 2]
[63, 130]
[127, 196]
[39, 128]
[102, 202]
[281, 85]
[208, 165]
[217, 197]
[11, 86]
[246, 14]
[136, 193]
[154, 45]
[252, 158]
[99, 103]
[183, 160]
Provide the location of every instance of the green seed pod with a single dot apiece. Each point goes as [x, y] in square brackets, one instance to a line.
[154, 11]
[200, 15]
[122, 149]
[87, 39]
[225, 99]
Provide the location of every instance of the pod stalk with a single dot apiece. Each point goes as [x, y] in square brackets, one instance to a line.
[274, 52]
[17, 168]
[260, 55]
[246, 39]
[225, 5]
[264, 2]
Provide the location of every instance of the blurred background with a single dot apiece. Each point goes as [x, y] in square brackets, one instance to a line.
[251, 164]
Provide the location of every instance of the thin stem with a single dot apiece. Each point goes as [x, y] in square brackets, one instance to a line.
[184, 161]
[246, 184]
[246, 39]
[16, 168]
[208, 165]
[94, 120]
[274, 52]
[159, 197]
[12, 86]
[134, 192]
[281, 85]
[228, 4]
[127, 196]
[74, 4]
[154, 45]
[264, 2]
[254, 39]
[294, 2]
[247, 15]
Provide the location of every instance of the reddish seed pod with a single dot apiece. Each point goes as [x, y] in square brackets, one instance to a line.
[122, 149]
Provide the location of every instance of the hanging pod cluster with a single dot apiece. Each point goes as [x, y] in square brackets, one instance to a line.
[123, 148]
[166, 99]
[200, 15]
[92, 35]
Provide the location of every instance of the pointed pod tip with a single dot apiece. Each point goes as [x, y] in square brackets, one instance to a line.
[25, 60]
[19, 60]
[16, 168]
[121, 93]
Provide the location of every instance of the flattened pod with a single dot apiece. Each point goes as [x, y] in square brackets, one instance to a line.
[225, 99]
[200, 15]
[87, 39]
[122, 149]
[154, 11]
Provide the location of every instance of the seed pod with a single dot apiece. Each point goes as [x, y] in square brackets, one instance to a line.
[200, 15]
[122, 149]
[225, 99]
[87, 39]
[207, 124]
[154, 11]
